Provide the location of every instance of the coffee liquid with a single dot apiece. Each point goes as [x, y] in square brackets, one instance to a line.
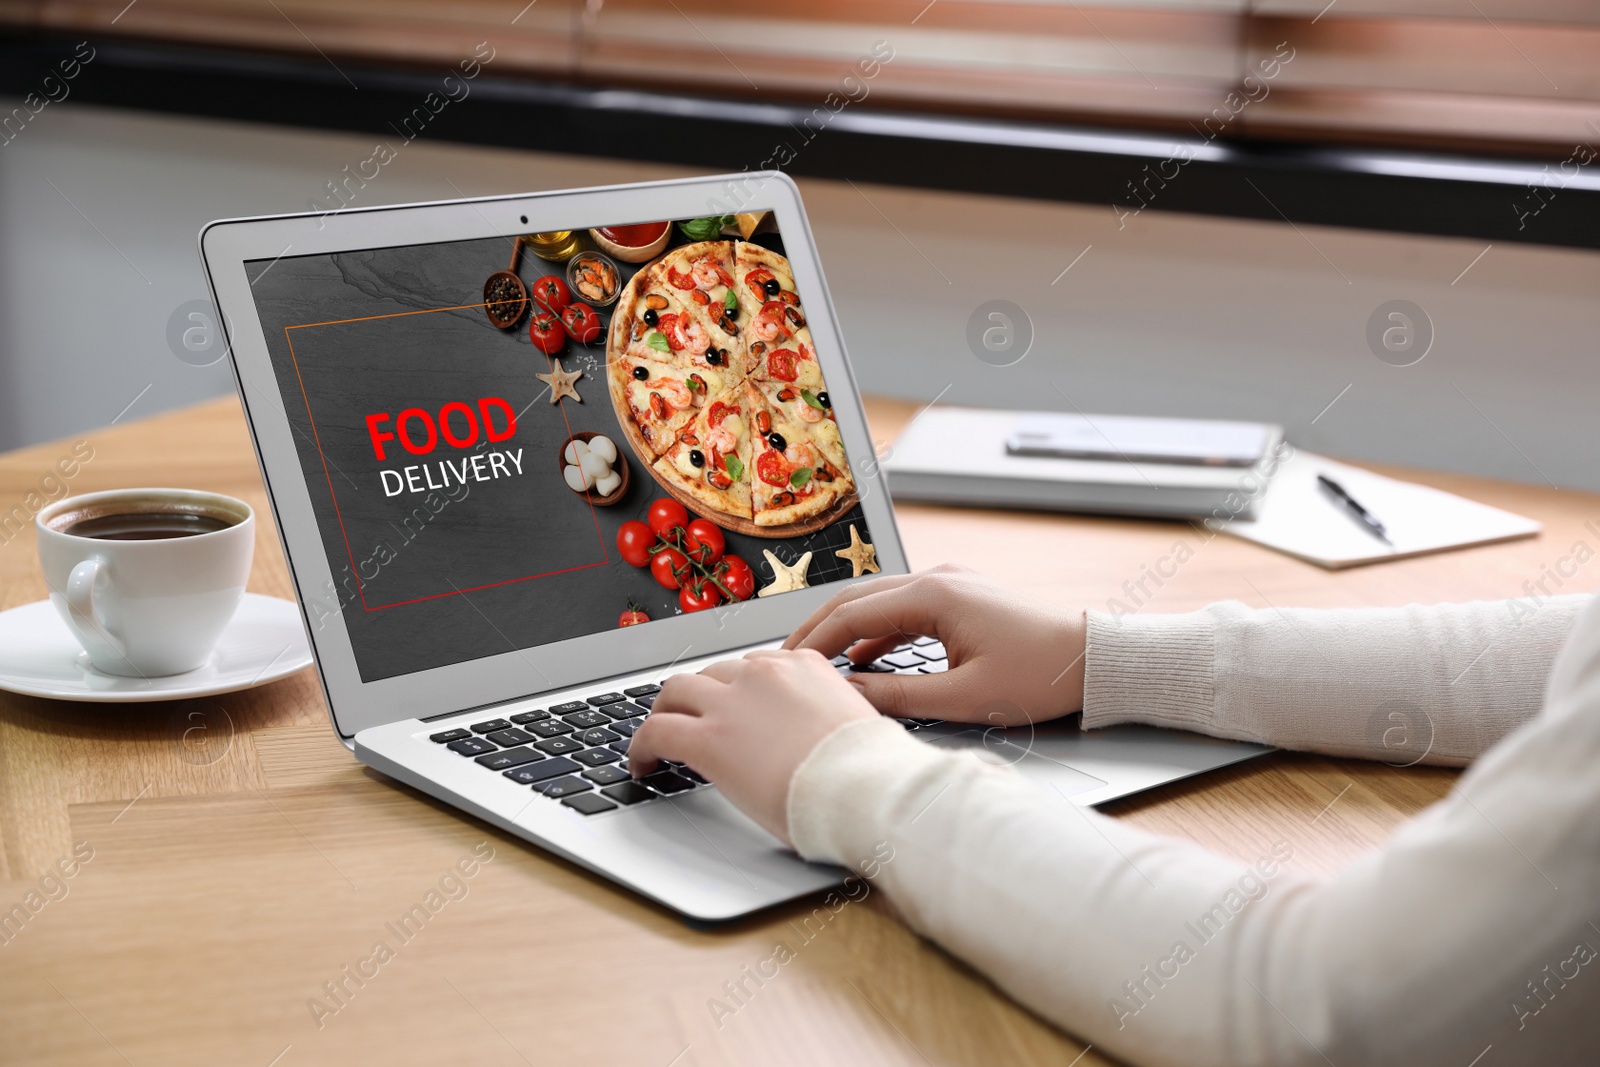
[146, 525]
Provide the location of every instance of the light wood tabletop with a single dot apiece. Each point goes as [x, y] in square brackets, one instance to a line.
[230, 858]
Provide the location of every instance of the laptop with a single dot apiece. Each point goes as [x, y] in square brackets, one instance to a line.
[490, 625]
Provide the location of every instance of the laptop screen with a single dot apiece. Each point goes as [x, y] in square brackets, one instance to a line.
[515, 441]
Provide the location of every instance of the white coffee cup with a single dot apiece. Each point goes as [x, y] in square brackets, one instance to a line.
[145, 594]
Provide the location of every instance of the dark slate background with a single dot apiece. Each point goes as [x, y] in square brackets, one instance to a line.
[491, 537]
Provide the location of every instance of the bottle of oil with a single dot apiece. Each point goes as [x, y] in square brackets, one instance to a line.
[557, 246]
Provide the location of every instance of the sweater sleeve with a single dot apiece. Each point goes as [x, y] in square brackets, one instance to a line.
[1469, 929]
[1437, 684]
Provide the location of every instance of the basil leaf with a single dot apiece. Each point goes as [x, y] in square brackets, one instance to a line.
[810, 398]
[735, 467]
[704, 229]
[658, 341]
[695, 382]
[731, 301]
[800, 477]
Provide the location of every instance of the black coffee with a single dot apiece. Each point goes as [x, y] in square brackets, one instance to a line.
[145, 525]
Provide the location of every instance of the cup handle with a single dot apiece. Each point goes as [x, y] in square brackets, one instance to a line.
[99, 642]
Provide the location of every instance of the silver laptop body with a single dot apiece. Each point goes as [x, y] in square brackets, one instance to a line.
[345, 325]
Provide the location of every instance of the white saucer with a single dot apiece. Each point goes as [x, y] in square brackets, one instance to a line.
[40, 657]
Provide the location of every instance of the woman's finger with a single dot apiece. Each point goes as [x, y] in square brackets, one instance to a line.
[899, 613]
[674, 737]
[850, 593]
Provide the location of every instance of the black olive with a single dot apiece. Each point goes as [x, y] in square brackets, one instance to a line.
[651, 317]
[772, 287]
[697, 458]
[777, 442]
[730, 313]
[822, 398]
[641, 372]
[714, 357]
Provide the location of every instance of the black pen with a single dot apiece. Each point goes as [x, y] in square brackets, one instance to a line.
[1353, 506]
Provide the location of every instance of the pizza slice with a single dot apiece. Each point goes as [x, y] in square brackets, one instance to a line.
[700, 275]
[791, 362]
[793, 480]
[661, 396]
[710, 460]
[808, 410]
[768, 302]
[651, 313]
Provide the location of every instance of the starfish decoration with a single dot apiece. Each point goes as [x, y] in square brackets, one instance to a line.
[862, 556]
[786, 579]
[560, 382]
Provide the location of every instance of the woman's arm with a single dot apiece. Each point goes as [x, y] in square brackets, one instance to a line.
[1438, 684]
[1468, 932]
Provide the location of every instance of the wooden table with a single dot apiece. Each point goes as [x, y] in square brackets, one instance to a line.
[241, 858]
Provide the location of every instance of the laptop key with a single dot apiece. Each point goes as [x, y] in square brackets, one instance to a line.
[923, 642]
[536, 715]
[902, 660]
[605, 698]
[450, 735]
[645, 702]
[875, 667]
[625, 710]
[489, 727]
[553, 728]
[933, 653]
[641, 690]
[509, 737]
[598, 736]
[594, 757]
[627, 726]
[472, 746]
[841, 660]
[693, 775]
[628, 793]
[935, 668]
[589, 804]
[557, 746]
[586, 718]
[542, 770]
[619, 746]
[511, 757]
[606, 774]
[667, 782]
[571, 705]
[563, 787]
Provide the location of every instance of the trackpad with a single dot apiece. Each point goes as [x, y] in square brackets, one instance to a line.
[1017, 748]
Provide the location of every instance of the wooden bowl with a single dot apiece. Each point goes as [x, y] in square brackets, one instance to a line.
[631, 253]
[621, 466]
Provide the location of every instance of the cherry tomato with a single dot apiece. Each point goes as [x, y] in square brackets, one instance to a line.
[582, 324]
[546, 333]
[680, 281]
[551, 293]
[668, 325]
[633, 616]
[780, 365]
[704, 542]
[720, 411]
[634, 541]
[756, 281]
[670, 567]
[664, 515]
[773, 469]
[737, 577]
[699, 596]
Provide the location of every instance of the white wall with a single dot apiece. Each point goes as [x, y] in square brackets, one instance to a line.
[1169, 315]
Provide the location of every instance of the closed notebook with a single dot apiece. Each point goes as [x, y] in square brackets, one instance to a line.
[1298, 517]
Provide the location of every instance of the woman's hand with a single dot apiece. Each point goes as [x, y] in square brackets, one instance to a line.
[1012, 660]
[746, 724]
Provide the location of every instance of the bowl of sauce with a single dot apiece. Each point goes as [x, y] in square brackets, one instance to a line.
[633, 243]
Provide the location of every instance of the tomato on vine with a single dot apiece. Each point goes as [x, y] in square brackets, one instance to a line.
[703, 541]
[666, 515]
[670, 567]
[699, 595]
[634, 541]
[737, 577]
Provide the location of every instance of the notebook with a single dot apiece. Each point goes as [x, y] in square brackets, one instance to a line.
[970, 456]
[1297, 517]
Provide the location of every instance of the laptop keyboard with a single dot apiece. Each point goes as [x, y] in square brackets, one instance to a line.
[576, 752]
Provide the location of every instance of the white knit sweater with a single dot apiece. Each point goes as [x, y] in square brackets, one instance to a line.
[1474, 928]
